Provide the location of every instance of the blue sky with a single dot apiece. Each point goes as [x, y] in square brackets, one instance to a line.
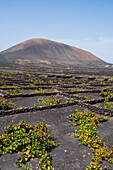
[86, 24]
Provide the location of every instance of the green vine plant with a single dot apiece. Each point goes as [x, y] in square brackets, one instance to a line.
[41, 81]
[88, 98]
[106, 94]
[52, 100]
[31, 85]
[107, 104]
[15, 91]
[111, 79]
[30, 80]
[87, 124]
[6, 86]
[4, 105]
[32, 141]
[5, 74]
[30, 75]
[85, 84]
[64, 76]
[43, 91]
[72, 99]
[50, 81]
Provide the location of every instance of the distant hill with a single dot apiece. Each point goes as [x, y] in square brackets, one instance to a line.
[54, 52]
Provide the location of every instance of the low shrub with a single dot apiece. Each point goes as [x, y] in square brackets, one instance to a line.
[106, 94]
[110, 79]
[15, 91]
[4, 105]
[43, 91]
[64, 76]
[30, 75]
[47, 101]
[87, 124]
[5, 74]
[29, 140]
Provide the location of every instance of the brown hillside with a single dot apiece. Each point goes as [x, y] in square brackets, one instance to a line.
[52, 51]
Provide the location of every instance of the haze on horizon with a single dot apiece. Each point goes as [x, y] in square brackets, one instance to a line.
[84, 24]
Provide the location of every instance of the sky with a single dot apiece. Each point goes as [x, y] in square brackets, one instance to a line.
[86, 24]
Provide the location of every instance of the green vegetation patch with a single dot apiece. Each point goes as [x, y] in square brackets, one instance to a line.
[4, 105]
[31, 141]
[43, 91]
[85, 84]
[107, 104]
[5, 74]
[64, 76]
[52, 100]
[110, 79]
[87, 124]
[88, 98]
[41, 81]
[106, 94]
[15, 91]
[30, 75]
[31, 85]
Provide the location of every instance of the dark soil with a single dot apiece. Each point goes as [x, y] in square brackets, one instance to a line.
[70, 154]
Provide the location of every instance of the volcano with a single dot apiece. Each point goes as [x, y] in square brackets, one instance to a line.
[51, 51]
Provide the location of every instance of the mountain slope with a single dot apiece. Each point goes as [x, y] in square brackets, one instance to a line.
[52, 51]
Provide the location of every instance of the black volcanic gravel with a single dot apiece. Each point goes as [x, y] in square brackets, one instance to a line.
[69, 155]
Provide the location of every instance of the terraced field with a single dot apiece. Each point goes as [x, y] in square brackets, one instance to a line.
[50, 98]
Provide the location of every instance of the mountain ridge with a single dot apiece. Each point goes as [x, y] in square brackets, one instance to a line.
[44, 49]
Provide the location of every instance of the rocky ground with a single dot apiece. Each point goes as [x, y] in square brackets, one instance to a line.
[85, 91]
